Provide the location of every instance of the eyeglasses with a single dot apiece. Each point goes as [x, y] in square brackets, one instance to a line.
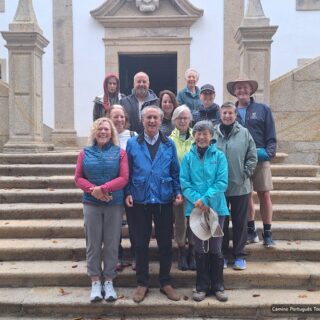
[183, 118]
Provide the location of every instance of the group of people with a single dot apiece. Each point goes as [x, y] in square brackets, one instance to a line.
[159, 158]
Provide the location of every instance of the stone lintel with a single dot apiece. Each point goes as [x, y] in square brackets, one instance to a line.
[143, 21]
[142, 41]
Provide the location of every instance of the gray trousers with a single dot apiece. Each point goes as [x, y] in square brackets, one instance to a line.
[102, 229]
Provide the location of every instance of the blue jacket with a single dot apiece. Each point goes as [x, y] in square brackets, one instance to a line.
[212, 113]
[259, 121]
[192, 100]
[154, 181]
[205, 179]
[99, 167]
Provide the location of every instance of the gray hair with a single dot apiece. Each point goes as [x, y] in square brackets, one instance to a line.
[191, 70]
[179, 110]
[146, 109]
[229, 104]
[202, 126]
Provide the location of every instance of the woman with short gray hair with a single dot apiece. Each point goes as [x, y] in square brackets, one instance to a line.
[204, 179]
[183, 139]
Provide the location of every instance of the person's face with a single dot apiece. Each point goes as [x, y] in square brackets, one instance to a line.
[151, 122]
[228, 115]
[183, 121]
[191, 79]
[242, 91]
[166, 105]
[118, 118]
[141, 85]
[103, 134]
[202, 138]
[112, 85]
[207, 98]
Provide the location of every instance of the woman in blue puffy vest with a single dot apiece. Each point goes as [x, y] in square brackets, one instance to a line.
[102, 173]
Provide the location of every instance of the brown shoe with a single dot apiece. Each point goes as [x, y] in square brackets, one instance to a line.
[170, 292]
[139, 294]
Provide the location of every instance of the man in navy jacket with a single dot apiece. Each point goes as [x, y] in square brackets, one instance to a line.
[153, 188]
[258, 119]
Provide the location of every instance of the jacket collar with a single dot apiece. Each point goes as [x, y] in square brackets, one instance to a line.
[163, 138]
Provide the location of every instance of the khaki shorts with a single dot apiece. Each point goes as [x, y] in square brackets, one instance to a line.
[262, 178]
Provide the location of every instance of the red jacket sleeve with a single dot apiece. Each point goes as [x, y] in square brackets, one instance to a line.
[80, 180]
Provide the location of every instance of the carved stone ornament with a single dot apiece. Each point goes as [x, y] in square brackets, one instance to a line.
[147, 5]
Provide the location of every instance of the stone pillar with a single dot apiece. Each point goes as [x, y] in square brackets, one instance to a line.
[63, 134]
[25, 43]
[254, 37]
[233, 15]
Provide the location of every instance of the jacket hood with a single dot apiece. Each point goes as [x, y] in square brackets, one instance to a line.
[105, 82]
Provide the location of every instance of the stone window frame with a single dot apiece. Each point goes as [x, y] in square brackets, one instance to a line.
[308, 5]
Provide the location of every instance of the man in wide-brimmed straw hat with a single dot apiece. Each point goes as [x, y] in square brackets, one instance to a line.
[257, 117]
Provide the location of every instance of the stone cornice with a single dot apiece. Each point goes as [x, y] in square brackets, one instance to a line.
[255, 33]
[24, 39]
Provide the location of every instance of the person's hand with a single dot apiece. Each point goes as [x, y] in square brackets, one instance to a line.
[98, 194]
[199, 204]
[129, 200]
[206, 209]
[178, 200]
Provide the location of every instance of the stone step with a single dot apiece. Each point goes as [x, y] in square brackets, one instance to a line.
[74, 249]
[271, 274]
[48, 158]
[74, 211]
[282, 170]
[73, 228]
[294, 170]
[55, 182]
[73, 301]
[69, 158]
[74, 195]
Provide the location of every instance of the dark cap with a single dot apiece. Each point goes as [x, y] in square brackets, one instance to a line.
[207, 87]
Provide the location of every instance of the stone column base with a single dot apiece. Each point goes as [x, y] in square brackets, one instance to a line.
[65, 138]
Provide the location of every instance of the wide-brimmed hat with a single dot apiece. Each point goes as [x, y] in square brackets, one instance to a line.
[231, 84]
[205, 225]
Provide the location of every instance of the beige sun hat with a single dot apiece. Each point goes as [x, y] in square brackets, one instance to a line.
[231, 84]
[204, 225]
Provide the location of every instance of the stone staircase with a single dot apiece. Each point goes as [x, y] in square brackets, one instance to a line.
[42, 252]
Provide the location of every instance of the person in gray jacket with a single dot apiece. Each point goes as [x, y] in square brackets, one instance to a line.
[238, 146]
[140, 98]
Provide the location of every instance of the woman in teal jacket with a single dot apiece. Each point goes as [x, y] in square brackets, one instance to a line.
[204, 179]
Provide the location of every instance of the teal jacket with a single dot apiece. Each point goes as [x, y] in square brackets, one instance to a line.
[205, 179]
[240, 150]
[192, 100]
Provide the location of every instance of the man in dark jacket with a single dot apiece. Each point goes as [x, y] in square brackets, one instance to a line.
[153, 187]
[208, 109]
[141, 97]
[258, 119]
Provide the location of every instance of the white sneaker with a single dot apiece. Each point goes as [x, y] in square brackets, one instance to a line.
[109, 293]
[96, 291]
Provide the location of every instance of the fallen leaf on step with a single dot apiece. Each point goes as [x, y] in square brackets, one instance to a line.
[75, 266]
[302, 296]
[312, 289]
[289, 243]
[121, 296]
[255, 295]
[50, 189]
[63, 292]
[54, 241]
[7, 223]
[80, 318]
[185, 298]
[298, 242]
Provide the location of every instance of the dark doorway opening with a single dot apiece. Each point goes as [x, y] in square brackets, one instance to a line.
[161, 68]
